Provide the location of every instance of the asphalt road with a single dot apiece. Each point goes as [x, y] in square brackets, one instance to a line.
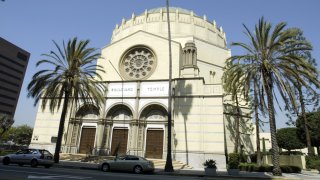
[14, 172]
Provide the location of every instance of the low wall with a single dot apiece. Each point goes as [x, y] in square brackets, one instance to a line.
[292, 160]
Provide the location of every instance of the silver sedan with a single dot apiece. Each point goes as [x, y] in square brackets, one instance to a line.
[136, 164]
[34, 157]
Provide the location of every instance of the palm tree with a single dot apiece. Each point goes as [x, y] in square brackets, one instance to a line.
[232, 86]
[71, 75]
[271, 55]
[311, 94]
[237, 82]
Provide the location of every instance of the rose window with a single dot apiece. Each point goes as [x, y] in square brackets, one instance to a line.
[138, 63]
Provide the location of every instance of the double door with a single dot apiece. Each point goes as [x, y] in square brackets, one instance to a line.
[119, 141]
[154, 143]
[87, 140]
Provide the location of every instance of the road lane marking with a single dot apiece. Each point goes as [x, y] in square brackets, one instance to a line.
[57, 177]
[46, 175]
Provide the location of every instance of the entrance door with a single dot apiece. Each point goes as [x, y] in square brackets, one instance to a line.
[154, 146]
[119, 141]
[87, 140]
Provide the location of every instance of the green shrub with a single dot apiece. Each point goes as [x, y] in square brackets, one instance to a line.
[290, 169]
[287, 138]
[247, 166]
[243, 158]
[210, 163]
[265, 168]
[233, 162]
[253, 167]
[312, 162]
[5, 152]
[243, 166]
[253, 157]
[315, 164]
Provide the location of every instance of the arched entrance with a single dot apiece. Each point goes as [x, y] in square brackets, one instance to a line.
[121, 116]
[155, 117]
[88, 114]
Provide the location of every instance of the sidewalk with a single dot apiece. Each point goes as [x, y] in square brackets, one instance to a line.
[312, 175]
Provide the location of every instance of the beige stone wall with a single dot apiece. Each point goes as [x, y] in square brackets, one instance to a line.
[290, 160]
[46, 126]
[198, 122]
[159, 45]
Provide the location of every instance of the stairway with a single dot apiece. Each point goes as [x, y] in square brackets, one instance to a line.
[160, 164]
[72, 157]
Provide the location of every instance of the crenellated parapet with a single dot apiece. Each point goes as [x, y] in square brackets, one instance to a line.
[184, 23]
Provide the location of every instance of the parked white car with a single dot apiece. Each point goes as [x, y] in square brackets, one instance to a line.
[34, 157]
[136, 164]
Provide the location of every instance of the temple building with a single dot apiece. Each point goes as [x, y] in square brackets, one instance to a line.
[134, 117]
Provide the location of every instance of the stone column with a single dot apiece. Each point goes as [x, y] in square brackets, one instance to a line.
[99, 138]
[67, 148]
[76, 127]
[107, 137]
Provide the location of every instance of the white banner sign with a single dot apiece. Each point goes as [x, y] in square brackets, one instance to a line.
[119, 90]
[155, 89]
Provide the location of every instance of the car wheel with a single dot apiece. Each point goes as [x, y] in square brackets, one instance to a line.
[6, 161]
[34, 163]
[47, 166]
[20, 164]
[137, 169]
[105, 167]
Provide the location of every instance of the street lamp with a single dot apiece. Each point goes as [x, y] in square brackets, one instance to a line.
[168, 166]
[121, 97]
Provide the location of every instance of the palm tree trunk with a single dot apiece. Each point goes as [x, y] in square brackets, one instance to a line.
[257, 125]
[303, 113]
[275, 149]
[237, 138]
[61, 126]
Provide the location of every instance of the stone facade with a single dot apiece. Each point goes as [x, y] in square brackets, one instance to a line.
[134, 117]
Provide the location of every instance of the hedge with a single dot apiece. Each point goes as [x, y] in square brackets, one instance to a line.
[252, 167]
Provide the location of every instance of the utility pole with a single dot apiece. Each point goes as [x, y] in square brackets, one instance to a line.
[168, 166]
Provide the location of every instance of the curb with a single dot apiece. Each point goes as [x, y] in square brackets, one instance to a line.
[215, 177]
[91, 166]
[77, 165]
[176, 173]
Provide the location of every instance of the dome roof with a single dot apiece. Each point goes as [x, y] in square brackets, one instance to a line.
[187, 24]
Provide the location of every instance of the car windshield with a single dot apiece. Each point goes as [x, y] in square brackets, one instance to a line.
[45, 152]
[19, 152]
[120, 157]
[32, 151]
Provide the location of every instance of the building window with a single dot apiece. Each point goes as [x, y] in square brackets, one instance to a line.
[138, 63]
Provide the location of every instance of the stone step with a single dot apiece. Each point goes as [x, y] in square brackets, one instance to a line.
[158, 163]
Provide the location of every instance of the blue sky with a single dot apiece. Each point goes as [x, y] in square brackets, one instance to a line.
[33, 24]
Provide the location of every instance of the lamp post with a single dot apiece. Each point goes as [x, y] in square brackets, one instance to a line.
[168, 166]
[121, 100]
